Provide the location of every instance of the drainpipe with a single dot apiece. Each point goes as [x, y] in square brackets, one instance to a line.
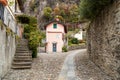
[12, 14]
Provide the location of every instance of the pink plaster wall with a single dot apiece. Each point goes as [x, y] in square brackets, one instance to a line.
[54, 36]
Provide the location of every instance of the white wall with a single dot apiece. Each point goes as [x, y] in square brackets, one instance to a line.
[9, 19]
[79, 35]
[7, 42]
[7, 51]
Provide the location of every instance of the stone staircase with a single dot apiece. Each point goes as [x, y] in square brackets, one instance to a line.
[23, 57]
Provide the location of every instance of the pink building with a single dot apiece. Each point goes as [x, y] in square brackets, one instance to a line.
[55, 36]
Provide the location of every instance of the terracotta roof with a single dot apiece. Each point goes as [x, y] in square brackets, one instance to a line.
[58, 22]
[4, 2]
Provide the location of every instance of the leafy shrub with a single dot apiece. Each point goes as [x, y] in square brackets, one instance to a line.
[34, 52]
[64, 49]
[31, 32]
[74, 41]
[34, 40]
[24, 19]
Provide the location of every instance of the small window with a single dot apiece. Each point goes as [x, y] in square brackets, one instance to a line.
[54, 26]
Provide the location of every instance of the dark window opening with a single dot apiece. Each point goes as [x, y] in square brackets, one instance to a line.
[54, 26]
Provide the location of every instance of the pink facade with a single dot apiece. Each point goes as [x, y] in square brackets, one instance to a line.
[54, 37]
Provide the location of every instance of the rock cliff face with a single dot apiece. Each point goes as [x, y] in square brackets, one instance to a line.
[104, 40]
[39, 5]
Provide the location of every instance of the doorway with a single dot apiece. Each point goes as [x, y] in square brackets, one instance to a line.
[54, 47]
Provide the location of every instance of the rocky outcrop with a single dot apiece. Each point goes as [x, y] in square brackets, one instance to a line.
[103, 38]
[35, 8]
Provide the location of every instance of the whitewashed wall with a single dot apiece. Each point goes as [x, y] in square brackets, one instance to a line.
[7, 51]
[9, 19]
[7, 42]
[79, 35]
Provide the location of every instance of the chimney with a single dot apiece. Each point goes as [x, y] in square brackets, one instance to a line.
[57, 19]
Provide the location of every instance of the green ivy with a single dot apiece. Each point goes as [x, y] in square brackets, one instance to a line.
[89, 9]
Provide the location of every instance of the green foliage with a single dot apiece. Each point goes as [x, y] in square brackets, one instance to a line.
[11, 3]
[74, 41]
[47, 12]
[25, 19]
[34, 40]
[1, 25]
[64, 49]
[89, 9]
[65, 12]
[31, 32]
[0, 22]
[8, 31]
[34, 52]
[69, 12]
[74, 13]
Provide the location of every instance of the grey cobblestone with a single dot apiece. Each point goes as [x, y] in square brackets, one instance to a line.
[45, 67]
[49, 66]
[87, 70]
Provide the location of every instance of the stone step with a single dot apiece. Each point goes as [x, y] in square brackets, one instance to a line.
[22, 47]
[22, 60]
[22, 51]
[23, 57]
[21, 67]
[21, 63]
[23, 54]
[23, 40]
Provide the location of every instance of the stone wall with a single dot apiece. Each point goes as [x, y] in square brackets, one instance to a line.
[103, 38]
[7, 50]
[70, 48]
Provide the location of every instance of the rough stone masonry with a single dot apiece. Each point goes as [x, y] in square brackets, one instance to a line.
[103, 38]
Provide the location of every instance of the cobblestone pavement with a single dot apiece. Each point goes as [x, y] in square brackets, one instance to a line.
[50, 67]
[68, 68]
[87, 70]
[45, 67]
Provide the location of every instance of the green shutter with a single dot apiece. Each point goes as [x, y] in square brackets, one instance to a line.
[54, 26]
